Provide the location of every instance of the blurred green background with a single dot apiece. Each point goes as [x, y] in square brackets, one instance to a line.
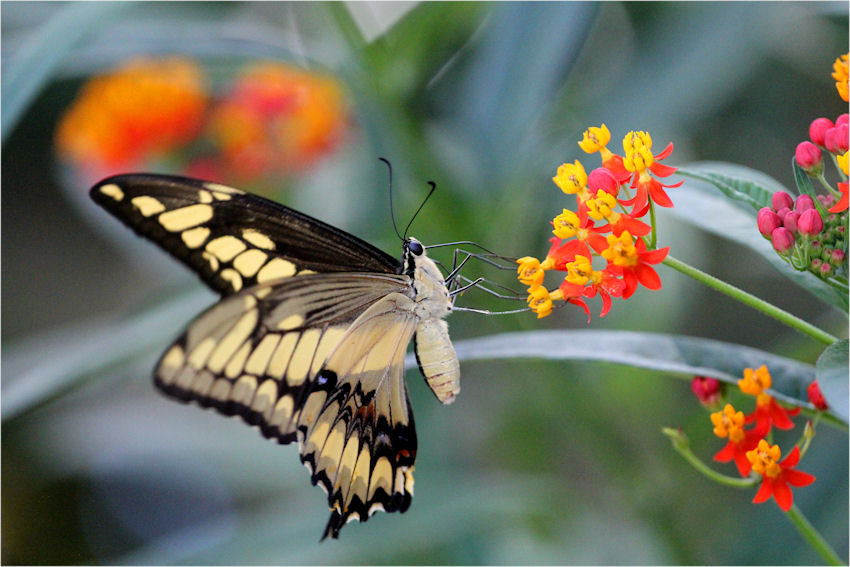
[537, 462]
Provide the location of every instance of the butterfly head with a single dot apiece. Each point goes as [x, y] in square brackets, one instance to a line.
[412, 250]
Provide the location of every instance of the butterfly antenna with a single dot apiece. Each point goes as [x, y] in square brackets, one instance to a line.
[425, 200]
[392, 212]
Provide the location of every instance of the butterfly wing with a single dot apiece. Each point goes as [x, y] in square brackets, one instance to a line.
[356, 427]
[230, 238]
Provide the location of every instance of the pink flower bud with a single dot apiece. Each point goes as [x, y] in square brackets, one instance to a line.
[707, 390]
[841, 119]
[810, 222]
[781, 200]
[601, 178]
[837, 257]
[789, 221]
[768, 221]
[804, 203]
[825, 269]
[808, 157]
[782, 239]
[818, 128]
[837, 139]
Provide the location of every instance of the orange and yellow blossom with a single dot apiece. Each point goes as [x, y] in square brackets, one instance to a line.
[633, 261]
[768, 412]
[729, 423]
[840, 74]
[777, 475]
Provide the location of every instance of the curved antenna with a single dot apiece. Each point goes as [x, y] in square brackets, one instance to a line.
[425, 200]
[392, 213]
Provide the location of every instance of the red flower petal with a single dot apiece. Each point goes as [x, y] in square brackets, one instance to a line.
[764, 493]
[798, 478]
[782, 494]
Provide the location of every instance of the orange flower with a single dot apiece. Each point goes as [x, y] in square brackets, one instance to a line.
[768, 412]
[640, 161]
[840, 74]
[777, 476]
[729, 423]
[145, 107]
[634, 262]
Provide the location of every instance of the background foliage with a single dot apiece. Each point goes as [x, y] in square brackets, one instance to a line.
[538, 461]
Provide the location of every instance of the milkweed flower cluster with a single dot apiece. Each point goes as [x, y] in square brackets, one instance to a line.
[749, 447]
[268, 121]
[604, 226]
[810, 232]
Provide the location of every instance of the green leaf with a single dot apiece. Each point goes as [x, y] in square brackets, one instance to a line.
[805, 186]
[736, 182]
[698, 203]
[679, 355]
[833, 378]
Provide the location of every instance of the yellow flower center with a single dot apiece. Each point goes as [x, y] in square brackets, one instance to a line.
[765, 459]
[595, 139]
[566, 224]
[756, 381]
[621, 251]
[579, 271]
[530, 272]
[571, 178]
[601, 207]
[729, 423]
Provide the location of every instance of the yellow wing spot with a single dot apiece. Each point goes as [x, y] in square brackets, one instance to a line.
[329, 340]
[250, 261]
[237, 361]
[205, 196]
[243, 390]
[225, 248]
[147, 205]
[311, 409]
[232, 276]
[259, 359]
[185, 217]
[276, 268]
[331, 455]
[382, 476]
[305, 272]
[212, 260]
[170, 363]
[195, 237]
[282, 414]
[220, 390]
[282, 354]
[302, 359]
[199, 355]
[265, 397]
[113, 191]
[219, 188]
[292, 322]
[203, 382]
[228, 345]
[258, 239]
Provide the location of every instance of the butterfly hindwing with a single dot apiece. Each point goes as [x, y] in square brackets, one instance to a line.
[356, 428]
[230, 238]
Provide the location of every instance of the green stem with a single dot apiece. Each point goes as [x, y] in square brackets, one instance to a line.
[813, 537]
[748, 299]
[682, 446]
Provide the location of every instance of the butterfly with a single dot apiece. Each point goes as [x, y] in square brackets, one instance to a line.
[309, 338]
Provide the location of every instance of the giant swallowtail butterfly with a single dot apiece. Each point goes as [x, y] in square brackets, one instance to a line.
[309, 339]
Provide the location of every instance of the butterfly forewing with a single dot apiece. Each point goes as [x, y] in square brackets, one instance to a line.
[232, 239]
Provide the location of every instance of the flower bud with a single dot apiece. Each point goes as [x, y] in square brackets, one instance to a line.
[810, 223]
[782, 239]
[818, 128]
[837, 257]
[843, 119]
[789, 221]
[837, 139]
[808, 157]
[804, 203]
[768, 221]
[602, 178]
[781, 200]
[707, 390]
[825, 269]
[815, 396]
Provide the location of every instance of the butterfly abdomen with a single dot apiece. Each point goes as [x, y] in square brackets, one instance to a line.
[437, 359]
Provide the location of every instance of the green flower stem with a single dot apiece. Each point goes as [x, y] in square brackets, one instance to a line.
[813, 537]
[682, 446]
[748, 299]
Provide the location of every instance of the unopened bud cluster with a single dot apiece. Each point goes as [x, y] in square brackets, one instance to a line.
[801, 235]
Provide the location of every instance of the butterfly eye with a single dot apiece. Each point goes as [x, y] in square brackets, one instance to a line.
[415, 247]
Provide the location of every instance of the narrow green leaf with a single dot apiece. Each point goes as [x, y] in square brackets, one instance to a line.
[679, 355]
[736, 182]
[833, 378]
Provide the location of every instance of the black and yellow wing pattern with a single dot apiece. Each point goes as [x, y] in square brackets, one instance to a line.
[309, 339]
